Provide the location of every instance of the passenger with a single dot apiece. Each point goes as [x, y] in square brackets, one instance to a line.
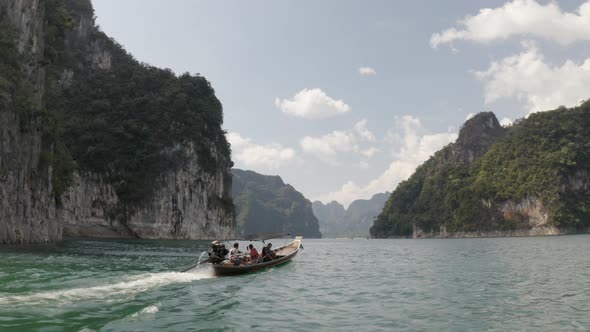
[217, 252]
[253, 253]
[267, 253]
[234, 255]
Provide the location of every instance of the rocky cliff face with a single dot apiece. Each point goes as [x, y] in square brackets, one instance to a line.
[335, 221]
[27, 208]
[58, 55]
[529, 179]
[189, 205]
[265, 204]
[361, 213]
[330, 216]
[476, 137]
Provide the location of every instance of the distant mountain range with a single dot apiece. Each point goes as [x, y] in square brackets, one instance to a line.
[265, 204]
[336, 221]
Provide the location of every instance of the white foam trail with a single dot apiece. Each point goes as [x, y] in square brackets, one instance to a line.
[150, 310]
[201, 257]
[134, 285]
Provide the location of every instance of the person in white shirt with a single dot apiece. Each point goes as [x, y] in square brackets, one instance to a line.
[234, 254]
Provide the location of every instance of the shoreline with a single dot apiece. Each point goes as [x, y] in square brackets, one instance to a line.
[532, 232]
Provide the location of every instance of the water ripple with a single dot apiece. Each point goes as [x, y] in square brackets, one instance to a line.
[333, 285]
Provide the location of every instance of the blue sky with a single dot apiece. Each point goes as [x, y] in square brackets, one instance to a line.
[297, 104]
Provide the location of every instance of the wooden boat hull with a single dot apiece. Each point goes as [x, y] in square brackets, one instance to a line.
[225, 268]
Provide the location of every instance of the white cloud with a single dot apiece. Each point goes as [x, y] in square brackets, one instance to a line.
[237, 141]
[469, 116]
[312, 104]
[413, 148]
[363, 165]
[328, 146]
[367, 71]
[521, 17]
[370, 152]
[528, 77]
[363, 131]
[505, 122]
[259, 157]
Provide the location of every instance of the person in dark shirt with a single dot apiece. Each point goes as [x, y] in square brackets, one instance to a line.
[267, 254]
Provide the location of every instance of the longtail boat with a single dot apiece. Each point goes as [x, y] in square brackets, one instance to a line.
[283, 255]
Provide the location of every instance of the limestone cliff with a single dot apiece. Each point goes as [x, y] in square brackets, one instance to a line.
[191, 204]
[476, 137]
[330, 217]
[529, 179]
[355, 221]
[27, 210]
[265, 204]
[97, 142]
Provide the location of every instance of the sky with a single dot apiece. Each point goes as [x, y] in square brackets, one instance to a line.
[344, 99]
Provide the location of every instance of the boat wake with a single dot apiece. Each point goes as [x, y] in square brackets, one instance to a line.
[128, 288]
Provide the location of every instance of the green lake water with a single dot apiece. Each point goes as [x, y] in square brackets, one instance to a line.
[501, 284]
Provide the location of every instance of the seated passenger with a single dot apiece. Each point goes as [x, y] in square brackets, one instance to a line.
[234, 255]
[253, 253]
[267, 254]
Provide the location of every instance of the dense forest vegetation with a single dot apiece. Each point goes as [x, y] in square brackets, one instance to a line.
[545, 156]
[106, 113]
[265, 204]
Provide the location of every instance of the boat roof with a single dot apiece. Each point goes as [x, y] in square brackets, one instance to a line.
[259, 237]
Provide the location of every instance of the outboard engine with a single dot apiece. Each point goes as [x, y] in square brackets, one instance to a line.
[217, 252]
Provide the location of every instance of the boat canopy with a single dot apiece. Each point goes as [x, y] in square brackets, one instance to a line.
[263, 236]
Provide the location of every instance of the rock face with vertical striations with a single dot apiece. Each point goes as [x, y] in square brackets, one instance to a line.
[27, 210]
[187, 205]
[94, 143]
